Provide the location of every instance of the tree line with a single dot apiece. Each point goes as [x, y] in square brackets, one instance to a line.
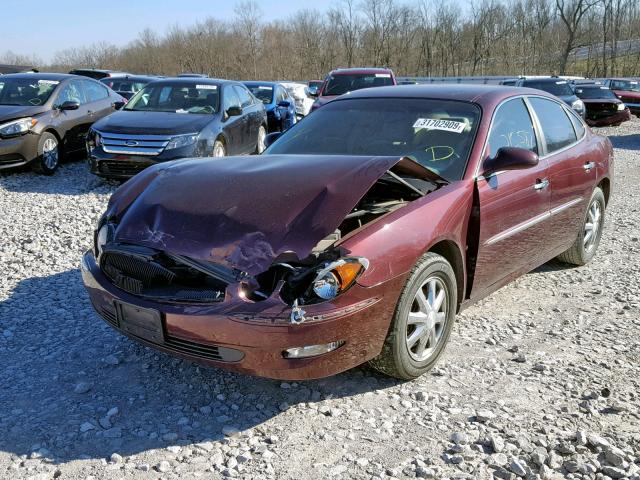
[593, 38]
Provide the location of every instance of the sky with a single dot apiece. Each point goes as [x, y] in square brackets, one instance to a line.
[42, 28]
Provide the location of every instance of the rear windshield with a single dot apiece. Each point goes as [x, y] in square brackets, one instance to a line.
[343, 83]
[264, 93]
[595, 93]
[124, 85]
[436, 133]
[558, 87]
[194, 98]
[26, 91]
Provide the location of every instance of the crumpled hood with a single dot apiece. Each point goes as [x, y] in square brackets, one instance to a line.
[11, 112]
[242, 212]
[152, 123]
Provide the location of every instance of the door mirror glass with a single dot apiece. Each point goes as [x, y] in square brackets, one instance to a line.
[510, 158]
[234, 111]
[70, 105]
[272, 137]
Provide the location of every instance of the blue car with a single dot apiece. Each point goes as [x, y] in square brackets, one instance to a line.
[280, 107]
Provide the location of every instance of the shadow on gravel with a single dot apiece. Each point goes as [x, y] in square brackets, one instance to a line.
[627, 142]
[553, 266]
[73, 175]
[73, 386]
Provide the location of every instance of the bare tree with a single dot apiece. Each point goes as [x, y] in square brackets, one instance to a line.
[571, 13]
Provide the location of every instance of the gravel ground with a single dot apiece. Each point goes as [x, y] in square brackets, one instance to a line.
[540, 380]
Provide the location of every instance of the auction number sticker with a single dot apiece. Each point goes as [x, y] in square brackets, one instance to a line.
[207, 87]
[435, 124]
[265, 88]
[383, 75]
[48, 82]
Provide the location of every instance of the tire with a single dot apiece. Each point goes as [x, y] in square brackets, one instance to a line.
[48, 157]
[219, 149]
[400, 358]
[262, 133]
[584, 248]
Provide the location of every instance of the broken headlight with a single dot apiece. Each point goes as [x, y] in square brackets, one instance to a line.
[104, 234]
[337, 277]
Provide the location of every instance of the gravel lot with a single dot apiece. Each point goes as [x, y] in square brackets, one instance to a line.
[542, 379]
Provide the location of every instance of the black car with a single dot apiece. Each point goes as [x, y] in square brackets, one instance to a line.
[555, 86]
[127, 85]
[44, 116]
[177, 118]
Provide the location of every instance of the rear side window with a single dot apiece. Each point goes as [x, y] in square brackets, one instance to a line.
[94, 91]
[512, 127]
[577, 122]
[557, 128]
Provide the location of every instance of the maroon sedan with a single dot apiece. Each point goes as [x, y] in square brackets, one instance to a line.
[627, 90]
[602, 107]
[357, 237]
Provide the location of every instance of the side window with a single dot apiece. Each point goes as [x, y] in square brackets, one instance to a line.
[577, 122]
[281, 95]
[244, 96]
[71, 92]
[230, 98]
[512, 127]
[94, 91]
[557, 128]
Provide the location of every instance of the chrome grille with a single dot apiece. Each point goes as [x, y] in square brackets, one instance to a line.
[126, 144]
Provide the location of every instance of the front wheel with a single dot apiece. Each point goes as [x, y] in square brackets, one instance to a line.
[48, 157]
[262, 133]
[422, 322]
[586, 243]
[219, 149]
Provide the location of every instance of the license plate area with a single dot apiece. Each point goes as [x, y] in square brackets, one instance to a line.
[145, 323]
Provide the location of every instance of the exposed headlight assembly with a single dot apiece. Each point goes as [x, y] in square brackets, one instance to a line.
[338, 277]
[104, 234]
[621, 106]
[578, 105]
[180, 141]
[17, 127]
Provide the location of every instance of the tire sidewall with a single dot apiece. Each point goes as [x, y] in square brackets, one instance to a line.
[406, 365]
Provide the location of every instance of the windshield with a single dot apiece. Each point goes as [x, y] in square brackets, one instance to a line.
[436, 133]
[558, 88]
[595, 92]
[26, 91]
[627, 85]
[123, 85]
[263, 93]
[176, 97]
[343, 83]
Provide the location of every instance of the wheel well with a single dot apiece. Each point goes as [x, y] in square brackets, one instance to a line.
[605, 186]
[450, 251]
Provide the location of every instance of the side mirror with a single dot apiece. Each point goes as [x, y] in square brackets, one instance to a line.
[312, 91]
[510, 158]
[284, 103]
[272, 137]
[69, 105]
[119, 105]
[234, 111]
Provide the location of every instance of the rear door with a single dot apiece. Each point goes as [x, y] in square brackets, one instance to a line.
[572, 169]
[513, 204]
[232, 126]
[72, 122]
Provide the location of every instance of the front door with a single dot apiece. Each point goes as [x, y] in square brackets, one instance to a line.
[72, 122]
[514, 204]
[232, 126]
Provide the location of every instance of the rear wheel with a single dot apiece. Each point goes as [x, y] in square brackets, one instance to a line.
[219, 150]
[422, 322]
[262, 133]
[48, 157]
[586, 243]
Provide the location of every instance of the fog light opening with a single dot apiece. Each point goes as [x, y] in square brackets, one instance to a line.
[311, 350]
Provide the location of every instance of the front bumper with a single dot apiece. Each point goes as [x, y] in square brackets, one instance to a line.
[253, 343]
[18, 151]
[619, 117]
[124, 166]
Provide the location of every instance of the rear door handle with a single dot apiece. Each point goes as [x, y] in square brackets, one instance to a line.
[588, 166]
[540, 184]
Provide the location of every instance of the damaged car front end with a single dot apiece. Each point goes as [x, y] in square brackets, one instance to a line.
[202, 260]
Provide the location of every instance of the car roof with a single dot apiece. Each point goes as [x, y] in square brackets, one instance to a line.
[43, 76]
[198, 80]
[461, 92]
[130, 77]
[545, 80]
[258, 82]
[346, 71]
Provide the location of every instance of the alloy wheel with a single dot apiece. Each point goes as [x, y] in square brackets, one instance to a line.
[427, 319]
[261, 136]
[50, 153]
[592, 225]
[218, 150]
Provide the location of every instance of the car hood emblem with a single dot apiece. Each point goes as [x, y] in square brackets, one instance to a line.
[131, 143]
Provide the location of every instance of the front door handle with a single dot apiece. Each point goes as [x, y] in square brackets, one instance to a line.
[541, 184]
[588, 166]
[90, 113]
